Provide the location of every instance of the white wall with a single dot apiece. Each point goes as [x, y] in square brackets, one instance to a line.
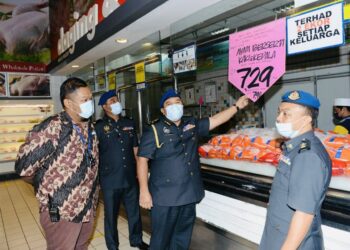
[56, 82]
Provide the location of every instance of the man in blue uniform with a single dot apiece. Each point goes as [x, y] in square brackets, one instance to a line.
[302, 178]
[118, 146]
[175, 183]
[342, 115]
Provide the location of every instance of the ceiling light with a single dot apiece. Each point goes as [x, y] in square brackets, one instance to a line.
[147, 44]
[75, 66]
[219, 31]
[121, 40]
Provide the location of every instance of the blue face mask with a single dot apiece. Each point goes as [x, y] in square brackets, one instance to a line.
[174, 112]
[116, 108]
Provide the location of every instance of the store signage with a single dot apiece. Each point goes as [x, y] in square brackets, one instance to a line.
[257, 58]
[141, 86]
[24, 67]
[185, 59]
[140, 72]
[347, 13]
[316, 29]
[78, 26]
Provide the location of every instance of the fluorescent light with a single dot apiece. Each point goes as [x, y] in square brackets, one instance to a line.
[219, 31]
[147, 44]
[75, 66]
[121, 40]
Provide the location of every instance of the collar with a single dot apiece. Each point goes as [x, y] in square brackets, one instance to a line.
[110, 119]
[291, 144]
[344, 119]
[170, 123]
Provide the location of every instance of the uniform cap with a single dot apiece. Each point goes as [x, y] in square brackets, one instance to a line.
[343, 102]
[106, 96]
[168, 94]
[302, 98]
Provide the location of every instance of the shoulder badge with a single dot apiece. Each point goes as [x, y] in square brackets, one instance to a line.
[304, 145]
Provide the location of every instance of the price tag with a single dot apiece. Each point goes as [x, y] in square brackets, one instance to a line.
[257, 58]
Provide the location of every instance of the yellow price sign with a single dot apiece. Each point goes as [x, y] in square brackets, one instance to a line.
[140, 72]
[112, 81]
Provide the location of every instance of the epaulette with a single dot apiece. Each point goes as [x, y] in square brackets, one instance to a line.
[304, 145]
[154, 121]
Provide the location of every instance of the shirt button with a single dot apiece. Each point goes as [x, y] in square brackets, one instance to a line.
[124, 166]
[167, 180]
[171, 139]
[183, 144]
[189, 163]
[181, 136]
[123, 158]
[121, 141]
[191, 173]
[122, 149]
[186, 153]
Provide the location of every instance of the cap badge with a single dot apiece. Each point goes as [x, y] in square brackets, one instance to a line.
[294, 96]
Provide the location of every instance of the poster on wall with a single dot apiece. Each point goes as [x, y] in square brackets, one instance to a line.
[185, 59]
[210, 92]
[189, 96]
[316, 29]
[24, 35]
[257, 58]
[3, 91]
[28, 85]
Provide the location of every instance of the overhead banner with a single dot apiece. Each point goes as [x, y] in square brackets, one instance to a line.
[185, 59]
[78, 26]
[316, 29]
[257, 58]
[140, 72]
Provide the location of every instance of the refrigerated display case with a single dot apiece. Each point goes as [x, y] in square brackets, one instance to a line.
[237, 193]
[17, 117]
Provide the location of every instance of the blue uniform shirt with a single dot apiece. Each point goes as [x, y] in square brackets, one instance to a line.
[117, 140]
[175, 177]
[301, 181]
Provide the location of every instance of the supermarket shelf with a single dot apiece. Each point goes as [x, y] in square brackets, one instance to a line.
[20, 123]
[10, 133]
[23, 115]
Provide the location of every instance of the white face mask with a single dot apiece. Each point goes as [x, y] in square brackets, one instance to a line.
[286, 130]
[174, 112]
[116, 108]
[86, 109]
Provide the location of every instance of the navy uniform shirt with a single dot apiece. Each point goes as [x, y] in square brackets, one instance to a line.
[301, 181]
[117, 140]
[175, 177]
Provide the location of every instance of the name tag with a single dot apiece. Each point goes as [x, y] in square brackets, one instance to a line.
[128, 128]
[285, 159]
[188, 127]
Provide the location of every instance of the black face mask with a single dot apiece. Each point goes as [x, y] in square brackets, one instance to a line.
[336, 118]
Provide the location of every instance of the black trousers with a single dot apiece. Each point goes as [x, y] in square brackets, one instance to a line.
[112, 199]
[172, 227]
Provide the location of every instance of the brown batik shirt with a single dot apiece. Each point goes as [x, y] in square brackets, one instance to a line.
[63, 165]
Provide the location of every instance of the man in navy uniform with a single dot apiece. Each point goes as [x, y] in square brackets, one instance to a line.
[118, 145]
[342, 115]
[175, 183]
[302, 178]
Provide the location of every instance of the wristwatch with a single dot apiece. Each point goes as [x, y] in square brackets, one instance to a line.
[234, 105]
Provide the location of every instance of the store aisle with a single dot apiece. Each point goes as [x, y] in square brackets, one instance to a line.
[19, 221]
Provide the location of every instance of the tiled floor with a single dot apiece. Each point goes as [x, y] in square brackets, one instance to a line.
[20, 227]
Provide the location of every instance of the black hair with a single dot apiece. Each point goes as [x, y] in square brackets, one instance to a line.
[341, 107]
[313, 113]
[69, 86]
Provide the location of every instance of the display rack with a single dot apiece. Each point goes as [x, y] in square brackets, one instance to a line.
[17, 117]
